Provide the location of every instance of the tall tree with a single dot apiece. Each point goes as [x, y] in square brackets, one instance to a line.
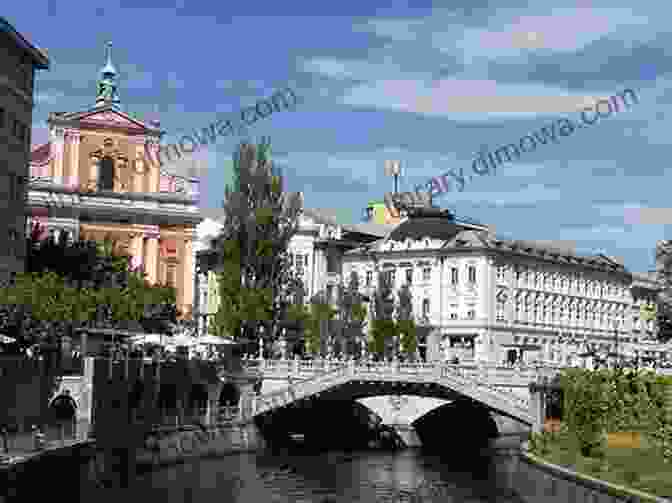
[260, 219]
[383, 328]
[406, 323]
[351, 313]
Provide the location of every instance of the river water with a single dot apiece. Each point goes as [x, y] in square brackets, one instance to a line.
[302, 477]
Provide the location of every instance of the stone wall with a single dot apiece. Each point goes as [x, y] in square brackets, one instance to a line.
[535, 480]
[81, 390]
[24, 391]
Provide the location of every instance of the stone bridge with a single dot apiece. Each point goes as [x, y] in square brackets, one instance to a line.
[503, 391]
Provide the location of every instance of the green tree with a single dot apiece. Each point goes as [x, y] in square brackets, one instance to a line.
[405, 323]
[351, 314]
[260, 219]
[317, 326]
[383, 327]
[71, 284]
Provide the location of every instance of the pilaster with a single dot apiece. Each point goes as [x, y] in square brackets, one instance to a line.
[136, 249]
[152, 255]
[140, 171]
[153, 169]
[187, 273]
[72, 171]
[58, 143]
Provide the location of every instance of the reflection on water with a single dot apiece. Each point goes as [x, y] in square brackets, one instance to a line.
[284, 477]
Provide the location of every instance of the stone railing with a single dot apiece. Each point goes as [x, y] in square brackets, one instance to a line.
[495, 374]
[465, 381]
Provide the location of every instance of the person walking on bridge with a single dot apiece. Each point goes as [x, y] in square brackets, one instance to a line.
[65, 411]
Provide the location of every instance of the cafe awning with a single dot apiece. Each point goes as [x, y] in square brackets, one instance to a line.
[524, 347]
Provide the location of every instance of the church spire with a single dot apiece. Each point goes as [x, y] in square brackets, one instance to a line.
[107, 84]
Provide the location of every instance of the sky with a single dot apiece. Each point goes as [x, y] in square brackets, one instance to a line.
[428, 85]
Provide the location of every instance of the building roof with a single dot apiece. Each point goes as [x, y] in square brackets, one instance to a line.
[39, 56]
[441, 226]
[370, 228]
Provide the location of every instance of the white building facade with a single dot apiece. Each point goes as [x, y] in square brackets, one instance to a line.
[488, 299]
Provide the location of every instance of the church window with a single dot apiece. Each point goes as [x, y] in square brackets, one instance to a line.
[501, 271]
[472, 274]
[426, 274]
[425, 307]
[409, 276]
[106, 174]
[471, 314]
[369, 277]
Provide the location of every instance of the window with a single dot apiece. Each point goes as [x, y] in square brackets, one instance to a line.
[500, 273]
[332, 262]
[426, 274]
[2, 117]
[425, 307]
[330, 293]
[500, 310]
[369, 277]
[471, 314]
[453, 275]
[392, 276]
[472, 274]
[106, 174]
[453, 316]
[409, 276]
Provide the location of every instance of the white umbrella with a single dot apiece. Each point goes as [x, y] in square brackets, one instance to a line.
[214, 340]
[147, 338]
[182, 340]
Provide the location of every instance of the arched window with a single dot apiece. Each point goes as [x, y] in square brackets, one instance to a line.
[106, 174]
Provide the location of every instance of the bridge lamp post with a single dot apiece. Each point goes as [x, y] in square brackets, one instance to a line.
[261, 342]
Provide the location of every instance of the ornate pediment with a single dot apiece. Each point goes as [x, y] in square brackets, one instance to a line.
[111, 118]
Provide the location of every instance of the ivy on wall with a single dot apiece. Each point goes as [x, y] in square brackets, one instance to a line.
[605, 401]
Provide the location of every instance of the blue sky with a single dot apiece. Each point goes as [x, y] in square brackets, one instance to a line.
[428, 85]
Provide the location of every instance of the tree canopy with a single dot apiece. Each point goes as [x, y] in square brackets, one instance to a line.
[256, 280]
[74, 283]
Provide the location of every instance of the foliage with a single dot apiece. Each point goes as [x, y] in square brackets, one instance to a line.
[260, 219]
[405, 323]
[70, 284]
[316, 328]
[597, 402]
[383, 328]
[351, 313]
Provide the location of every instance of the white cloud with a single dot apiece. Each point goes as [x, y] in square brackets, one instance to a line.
[470, 100]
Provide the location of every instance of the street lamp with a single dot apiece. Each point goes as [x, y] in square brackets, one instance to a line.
[261, 342]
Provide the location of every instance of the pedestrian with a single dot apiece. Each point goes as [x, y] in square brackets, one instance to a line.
[65, 411]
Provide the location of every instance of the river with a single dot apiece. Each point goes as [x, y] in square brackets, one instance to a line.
[301, 477]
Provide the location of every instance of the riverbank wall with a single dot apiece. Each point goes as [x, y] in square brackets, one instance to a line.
[534, 480]
[60, 468]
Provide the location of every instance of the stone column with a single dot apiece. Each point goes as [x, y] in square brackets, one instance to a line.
[152, 258]
[153, 169]
[58, 141]
[140, 172]
[187, 272]
[72, 173]
[92, 182]
[136, 249]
